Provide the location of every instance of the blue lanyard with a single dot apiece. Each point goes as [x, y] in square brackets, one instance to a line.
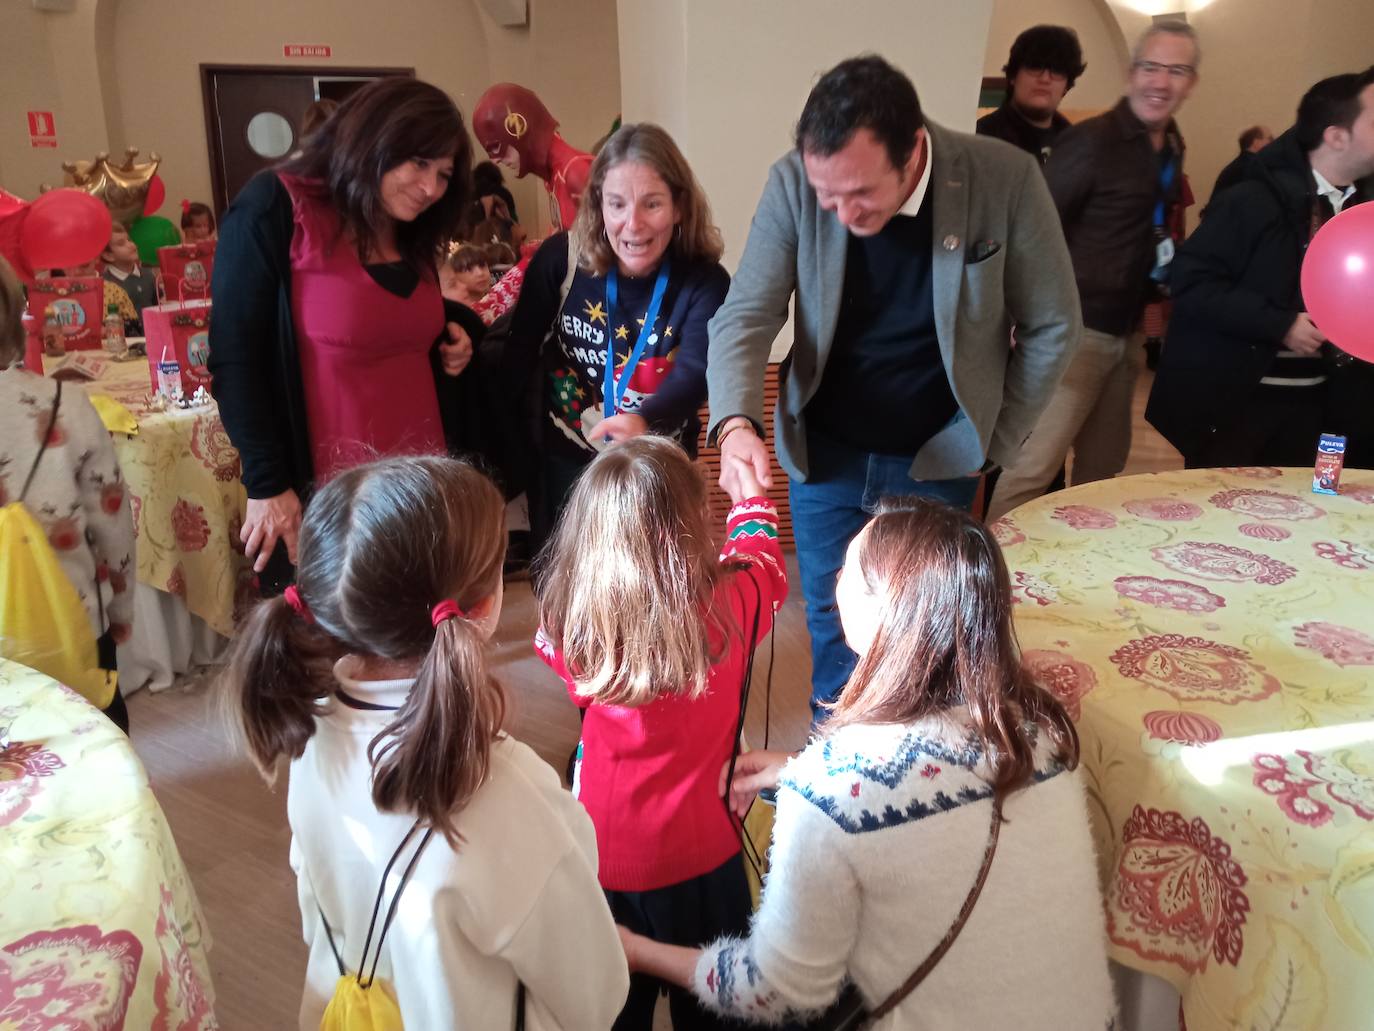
[611, 398]
[1166, 180]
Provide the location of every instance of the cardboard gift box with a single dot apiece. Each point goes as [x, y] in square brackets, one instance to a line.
[78, 305]
[186, 269]
[179, 332]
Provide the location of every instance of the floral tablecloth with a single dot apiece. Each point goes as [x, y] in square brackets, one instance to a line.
[188, 501]
[99, 923]
[1212, 633]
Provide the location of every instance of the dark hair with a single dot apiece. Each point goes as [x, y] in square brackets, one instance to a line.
[946, 639]
[380, 545]
[12, 337]
[1334, 101]
[861, 93]
[316, 115]
[696, 239]
[1054, 47]
[486, 178]
[191, 210]
[1250, 135]
[385, 124]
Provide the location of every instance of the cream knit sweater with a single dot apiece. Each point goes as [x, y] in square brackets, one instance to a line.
[878, 836]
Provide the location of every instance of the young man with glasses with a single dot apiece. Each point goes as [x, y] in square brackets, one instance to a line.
[1114, 179]
[1044, 63]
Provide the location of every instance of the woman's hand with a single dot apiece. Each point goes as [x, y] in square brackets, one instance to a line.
[455, 355]
[754, 771]
[267, 521]
[622, 426]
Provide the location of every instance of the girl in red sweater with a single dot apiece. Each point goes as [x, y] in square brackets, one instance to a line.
[652, 630]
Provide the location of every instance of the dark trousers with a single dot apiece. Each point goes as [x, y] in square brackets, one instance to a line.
[1275, 426]
[117, 711]
[692, 913]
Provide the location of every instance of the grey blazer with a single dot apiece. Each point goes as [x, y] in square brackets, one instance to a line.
[985, 192]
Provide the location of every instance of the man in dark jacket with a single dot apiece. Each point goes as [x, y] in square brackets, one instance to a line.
[1244, 380]
[1252, 141]
[1044, 63]
[1113, 179]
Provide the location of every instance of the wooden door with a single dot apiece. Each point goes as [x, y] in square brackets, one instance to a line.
[253, 115]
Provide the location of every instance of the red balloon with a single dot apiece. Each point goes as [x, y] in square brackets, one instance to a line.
[1338, 281]
[157, 195]
[9, 202]
[64, 227]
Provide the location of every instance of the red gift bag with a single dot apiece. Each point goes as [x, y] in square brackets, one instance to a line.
[186, 269]
[78, 305]
[179, 331]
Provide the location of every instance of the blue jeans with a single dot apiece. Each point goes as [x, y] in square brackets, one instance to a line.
[828, 511]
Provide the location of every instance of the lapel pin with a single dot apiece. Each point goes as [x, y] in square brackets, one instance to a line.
[950, 243]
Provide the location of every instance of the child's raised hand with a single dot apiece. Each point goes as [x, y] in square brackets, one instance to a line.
[743, 483]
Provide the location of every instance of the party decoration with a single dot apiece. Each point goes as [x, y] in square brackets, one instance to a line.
[63, 228]
[517, 130]
[1338, 281]
[9, 202]
[123, 187]
[157, 194]
[150, 233]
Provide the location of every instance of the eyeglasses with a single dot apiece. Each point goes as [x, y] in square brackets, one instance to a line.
[1056, 76]
[1176, 71]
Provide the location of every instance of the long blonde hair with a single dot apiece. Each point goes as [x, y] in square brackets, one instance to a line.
[626, 584]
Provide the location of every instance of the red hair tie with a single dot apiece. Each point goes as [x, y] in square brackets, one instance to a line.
[185, 207]
[297, 603]
[446, 609]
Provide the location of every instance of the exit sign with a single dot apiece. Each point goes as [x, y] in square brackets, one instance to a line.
[307, 50]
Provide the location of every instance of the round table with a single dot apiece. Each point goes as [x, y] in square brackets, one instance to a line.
[188, 504]
[99, 923]
[1212, 634]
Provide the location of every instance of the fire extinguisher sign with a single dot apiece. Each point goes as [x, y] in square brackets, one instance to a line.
[42, 131]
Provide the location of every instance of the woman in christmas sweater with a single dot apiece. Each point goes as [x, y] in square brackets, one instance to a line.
[611, 322]
[652, 630]
[942, 778]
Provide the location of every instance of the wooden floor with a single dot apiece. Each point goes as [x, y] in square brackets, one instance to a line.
[231, 827]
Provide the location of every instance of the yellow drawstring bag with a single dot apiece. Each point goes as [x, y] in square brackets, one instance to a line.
[43, 623]
[370, 1005]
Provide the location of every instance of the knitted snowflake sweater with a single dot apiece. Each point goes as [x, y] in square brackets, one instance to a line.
[878, 837]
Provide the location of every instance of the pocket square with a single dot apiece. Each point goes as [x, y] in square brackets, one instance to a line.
[982, 250]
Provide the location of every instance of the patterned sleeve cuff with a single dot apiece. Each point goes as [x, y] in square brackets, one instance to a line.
[752, 517]
[729, 981]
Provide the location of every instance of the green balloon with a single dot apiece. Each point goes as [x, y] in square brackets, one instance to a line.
[151, 232]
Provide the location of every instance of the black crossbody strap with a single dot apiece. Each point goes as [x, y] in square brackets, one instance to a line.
[965, 911]
[47, 435]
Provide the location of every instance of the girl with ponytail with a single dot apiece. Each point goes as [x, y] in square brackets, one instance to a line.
[370, 675]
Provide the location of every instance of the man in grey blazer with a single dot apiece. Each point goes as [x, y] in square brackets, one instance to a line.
[912, 252]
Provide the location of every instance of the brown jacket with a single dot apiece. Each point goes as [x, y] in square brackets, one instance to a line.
[1104, 177]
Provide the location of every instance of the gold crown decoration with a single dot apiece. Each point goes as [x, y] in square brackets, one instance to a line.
[123, 187]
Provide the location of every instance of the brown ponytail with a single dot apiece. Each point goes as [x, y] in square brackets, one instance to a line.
[278, 677]
[434, 756]
[380, 545]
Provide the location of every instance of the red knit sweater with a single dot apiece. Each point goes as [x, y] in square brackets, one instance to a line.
[650, 775]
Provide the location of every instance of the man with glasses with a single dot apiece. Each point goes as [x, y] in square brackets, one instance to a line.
[1113, 178]
[1044, 63]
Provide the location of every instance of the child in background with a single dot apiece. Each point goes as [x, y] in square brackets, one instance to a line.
[652, 631]
[120, 258]
[197, 222]
[465, 276]
[370, 673]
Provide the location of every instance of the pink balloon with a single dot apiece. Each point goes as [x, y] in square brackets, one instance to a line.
[9, 202]
[1338, 281]
[157, 195]
[64, 227]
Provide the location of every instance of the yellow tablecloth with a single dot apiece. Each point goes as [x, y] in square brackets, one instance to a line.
[99, 924]
[183, 477]
[1212, 632]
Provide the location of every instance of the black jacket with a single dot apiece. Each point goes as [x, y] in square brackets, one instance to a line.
[253, 358]
[1236, 288]
[1006, 123]
[1104, 177]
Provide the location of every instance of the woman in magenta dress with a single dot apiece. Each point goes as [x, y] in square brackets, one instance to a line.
[330, 338]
